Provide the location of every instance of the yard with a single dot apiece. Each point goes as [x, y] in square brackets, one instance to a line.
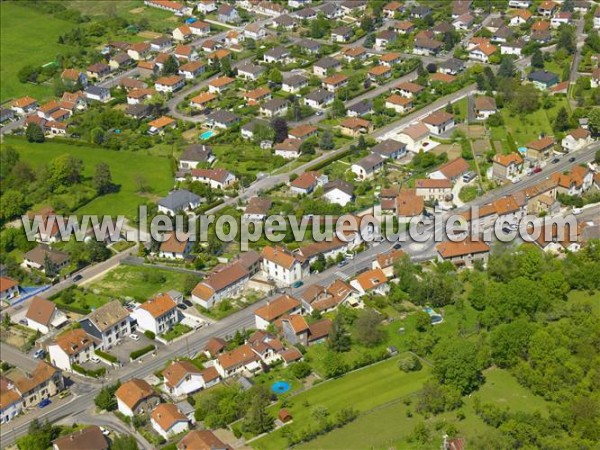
[79, 299]
[130, 171]
[177, 331]
[28, 37]
[363, 390]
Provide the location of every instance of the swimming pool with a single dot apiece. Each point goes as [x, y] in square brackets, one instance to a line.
[207, 135]
[435, 317]
[281, 387]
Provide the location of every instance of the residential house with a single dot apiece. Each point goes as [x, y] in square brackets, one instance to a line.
[98, 71]
[319, 298]
[520, 17]
[138, 96]
[463, 22]
[575, 182]
[108, 324]
[71, 348]
[195, 154]
[319, 99]
[278, 54]
[139, 51]
[175, 247]
[161, 44]
[439, 122]
[202, 440]
[372, 281]
[326, 65]
[97, 93]
[409, 90]
[392, 8]
[385, 38]
[415, 137]
[547, 8]
[74, 77]
[342, 34]
[226, 281]
[191, 70]
[170, 83]
[220, 85]
[351, 54]
[339, 192]
[463, 253]
[221, 118]
[484, 107]
[42, 255]
[335, 82]
[540, 149]
[214, 347]
[185, 52]
[136, 397]
[9, 289]
[398, 103]
[267, 346]
[576, 140]
[420, 11]
[257, 209]
[433, 190]
[43, 382]
[182, 378]
[284, 22]
[308, 46]
[238, 360]
[160, 125]
[158, 315]
[202, 100]
[502, 35]
[217, 55]
[360, 108]
[43, 315]
[452, 170]
[439, 77]
[507, 167]
[178, 200]
[215, 178]
[355, 126]
[427, 47]
[200, 28]
[166, 5]
[183, 33]
[379, 73]
[228, 14]
[523, 4]
[88, 438]
[285, 305]
[368, 166]
[332, 10]
[247, 131]
[294, 84]
[24, 105]
[274, 107]
[282, 266]
[404, 27]
[303, 132]
[250, 71]
[389, 148]
[6, 115]
[289, 148]
[385, 262]
[542, 79]
[512, 48]
[483, 52]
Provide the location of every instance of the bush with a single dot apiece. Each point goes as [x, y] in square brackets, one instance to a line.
[106, 356]
[90, 373]
[150, 334]
[301, 369]
[141, 352]
[409, 363]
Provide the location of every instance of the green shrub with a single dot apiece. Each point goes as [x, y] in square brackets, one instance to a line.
[141, 352]
[150, 334]
[106, 356]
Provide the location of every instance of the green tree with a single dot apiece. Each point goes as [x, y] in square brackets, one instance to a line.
[280, 127]
[103, 179]
[275, 76]
[38, 437]
[510, 341]
[368, 328]
[257, 419]
[326, 142]
[561, 122]
[124, 442]
[170, 66]
[422, 321]
[34, 133]
[594, 121]
[9, 157]
[507, 67]
[456, 363]
[65, 170]
[537, 59]
[106, 400]
[339, 340]
[526, 99]
[12, 204]
[338, 109]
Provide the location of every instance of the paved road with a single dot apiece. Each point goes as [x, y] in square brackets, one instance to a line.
[17, 358]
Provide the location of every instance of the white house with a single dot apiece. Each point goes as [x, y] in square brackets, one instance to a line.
[169, 84]
[484, 107]
[109, 324]
[135, 397]
[576, 140]
[439, 122]
[182, 378]
[238, 360]
[157, 315]
[273, 310]
[175, 247]
[368, 166]
[9, 288]
[283, 266]
[178, 200]
[372, 281]
[168, 421]
[215, 178]
[338, 192]
[73, 347]
[43, 315]
[414, 136]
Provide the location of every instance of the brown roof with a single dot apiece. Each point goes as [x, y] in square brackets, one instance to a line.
[506, 205]
[192, 66]
[410, 87]
[506, 160]
[541, 144]
[379, 70]
[219, 279]
[215, 345]
[89, 438]
[335, 79]
[355, 123]
[170, 80]
[438, 117]
[166, 415]
[580, 133]
[302, 130]
[428, 183]
[205, 97]
[237, 357]
[219, 54]
[201, 440]
[133, 392]
[74, 341]
[41, 374]
[140, 93]
[408, 204]
[39, 253]
[416, 131]
[399, 100]
[455, 168]
[9, 397]
[442, 77]
[183, 50]
[291, 354]
[297, 322]
[159, 305]
[108, 315]
[258, 205]
[178, 370]
[320, 329]
[371, 279]
[161, 122]
[279, 256]
[7, 283]
[388, 259]
[221, 81]
[277, 308]
[209, 374]
[485, 103]
[173, 244]
[71, 74]
[449, 249]
[41, 310]
[257, 93]
[23, 101]
[404, 25]
[305, 180]
[486, 48]
[388, 57]
[354, 51]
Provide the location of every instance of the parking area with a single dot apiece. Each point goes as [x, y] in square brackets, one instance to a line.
[128, 345]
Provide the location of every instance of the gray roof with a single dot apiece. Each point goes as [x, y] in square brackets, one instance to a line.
[295, 80]
[453, 64]
[329, 9]
[327, 62]
[362, 107]
[252, 68]
[196, 152]
[371, 161]
[253, 123]
[274, 104]
[343, 186]
[543, 76]
[284, 21]
[277, 52]
[309, 44]
[388, 147]
[97, 90]
[222, 116]
[319, 95]
[138, 110]
[178, 200]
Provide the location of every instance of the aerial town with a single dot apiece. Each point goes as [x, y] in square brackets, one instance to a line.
[470, 127]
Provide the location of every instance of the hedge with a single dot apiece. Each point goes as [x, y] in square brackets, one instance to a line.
[73, 309]
[150, 334]
[141, 352]
[327, 161]
[90, 373]
[106, 356]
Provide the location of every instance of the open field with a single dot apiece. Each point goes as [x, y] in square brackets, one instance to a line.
[27, 37]
[128, 171]
[363, 390]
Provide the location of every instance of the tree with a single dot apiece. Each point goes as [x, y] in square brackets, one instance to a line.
[106, 400]
[34, 133]
[275, 76]
[8, 158]
[561, 123]
[124, 442]
[431, 68]
[262, 132]
[507, 67]
[156, 103]
[281, 129]
[368, 328]
[510, 341]
[170, 66]
[409, 363]
[258, 420]
[422, 321]
[103, 179]
[326, 142]
[65, 170]
[456, 363]
[537, 59]
[6, 321]
[12, 204]
[566, 39]
[225, 67]
[526, 99]
[301, 369]
[594, 121]
[38, 437]
[338, 109]
[339, 340]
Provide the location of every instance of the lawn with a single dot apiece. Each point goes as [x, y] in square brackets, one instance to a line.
[363, 390]
[246, 159]
[177, 331]
[80, 299]
[138, 282]
[128, 171]
[28, 37]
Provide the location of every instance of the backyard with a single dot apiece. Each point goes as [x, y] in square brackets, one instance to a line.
[139, 177]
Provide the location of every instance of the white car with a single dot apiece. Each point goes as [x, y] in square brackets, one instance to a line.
[95, 359]
[134, 337]
[105, 432]
[577, 211]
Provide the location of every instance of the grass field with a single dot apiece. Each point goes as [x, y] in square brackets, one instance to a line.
[138, 282]
[27, 37]
[363, 390]
[127, 170]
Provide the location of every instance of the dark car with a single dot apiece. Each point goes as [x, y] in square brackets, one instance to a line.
[397, 246]
[342, 263]
[297, 284]
[182, 306]
[76, 278]
[45, 403]
[188, 303]
[555, 160]
[572, 159]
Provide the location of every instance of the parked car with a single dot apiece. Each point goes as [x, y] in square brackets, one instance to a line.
[297, 284]
[342, 263]
[537, 170]
[188, 303]
[134, 337]
[572, 159]
[555, 160]
[39, 353]
[577, 211]
[105, 432]
[182, 306]
[64, 394]
[95, 359]
[397, 246]
[76, 278]
[45, 403]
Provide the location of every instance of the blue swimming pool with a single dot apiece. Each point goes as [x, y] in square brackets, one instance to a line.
[281, 387]
[207, 135]
[435, 317]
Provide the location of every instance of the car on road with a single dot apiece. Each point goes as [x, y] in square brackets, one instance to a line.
[297, 284]
[44, 403]
[342, 263]
[64, 394]
[77, 278]
[319, 113]
[397, 246]
[572, 159]
[188, 303]
[134, 337]
[577, 211]
[23, 322]
[39, 353]
[555, 160]
[105, 432]
[537, 170]
[182, 306]
[95, 359]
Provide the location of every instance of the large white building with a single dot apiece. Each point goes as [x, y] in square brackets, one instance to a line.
[157, 315]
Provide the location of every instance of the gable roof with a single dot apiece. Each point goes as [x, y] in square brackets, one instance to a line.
[277, 308]
[41, 310]
[178, 370]
[371, 279]
[239, 356]
[74, 341]
[108, 315]
[201, 440]
[159, 305]
[89, 438]
[455, 168]
[166, 415]
[133, 392]
[449, 249]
